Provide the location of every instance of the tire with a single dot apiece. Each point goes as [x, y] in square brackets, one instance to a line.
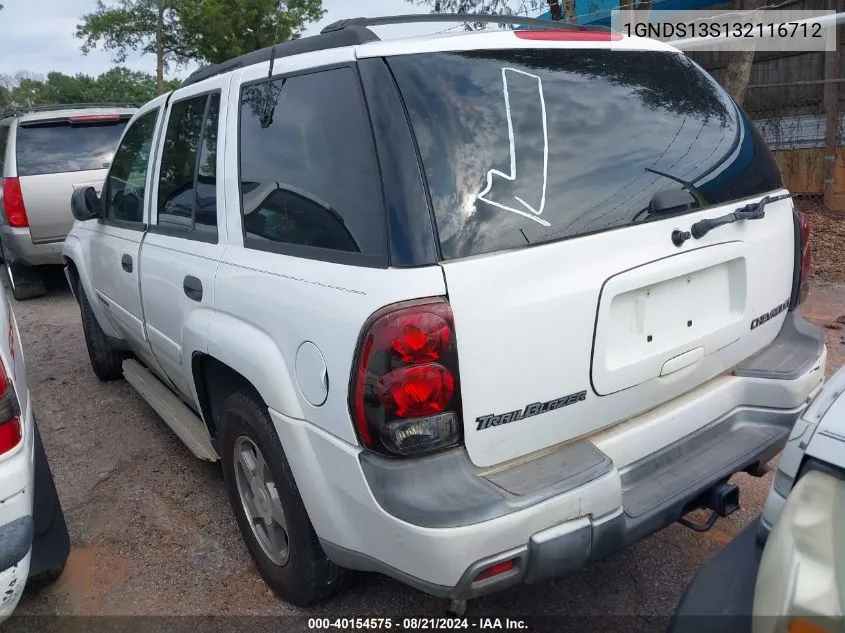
[106, 362]
[25, 282]
[305, 576]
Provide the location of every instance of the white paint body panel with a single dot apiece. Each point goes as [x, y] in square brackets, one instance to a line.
[801, 568]
[525, 322]
[318, 301]
[340, 497]
[17, 467]
[176, 325]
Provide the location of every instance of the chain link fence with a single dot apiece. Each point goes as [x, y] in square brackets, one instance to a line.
[797, 102]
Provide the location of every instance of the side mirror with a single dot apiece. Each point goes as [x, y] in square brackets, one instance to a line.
[85, 204]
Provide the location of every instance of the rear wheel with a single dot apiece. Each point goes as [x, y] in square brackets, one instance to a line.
[105, 361]
[26, 282]
[268, 508]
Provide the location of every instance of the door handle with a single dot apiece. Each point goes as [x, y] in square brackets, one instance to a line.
[126, 262]
[193, 288]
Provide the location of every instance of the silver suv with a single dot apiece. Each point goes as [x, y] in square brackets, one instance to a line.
[45, 154]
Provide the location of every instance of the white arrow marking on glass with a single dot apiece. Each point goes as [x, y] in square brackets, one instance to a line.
[529, 211]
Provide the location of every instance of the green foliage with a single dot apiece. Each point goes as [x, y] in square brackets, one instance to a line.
[498, 7]
[144, 26]
[116, 85]
[492, 7]
[218, 30]
[181, 31]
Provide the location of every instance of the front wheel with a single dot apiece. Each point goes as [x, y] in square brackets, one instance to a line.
[105, 361]
[268, 508]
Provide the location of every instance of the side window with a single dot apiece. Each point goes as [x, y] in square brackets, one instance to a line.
[187, 186]
[123, 197]
[206, 213]
[4, 138]
[309, 178]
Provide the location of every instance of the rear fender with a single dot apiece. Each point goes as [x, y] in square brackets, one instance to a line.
[254, 355]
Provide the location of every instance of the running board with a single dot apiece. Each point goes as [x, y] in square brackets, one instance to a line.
[184, 422]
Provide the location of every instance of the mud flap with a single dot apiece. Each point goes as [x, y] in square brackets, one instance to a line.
[721, 596]
[51, 542]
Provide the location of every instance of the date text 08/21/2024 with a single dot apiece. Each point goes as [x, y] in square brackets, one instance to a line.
[417, 624]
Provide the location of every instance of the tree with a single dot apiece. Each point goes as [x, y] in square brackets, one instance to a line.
[738, 71]
[564, 11]
[218, 30]
[182, 31]
[26, 89]
[147, 26]
[5, 101]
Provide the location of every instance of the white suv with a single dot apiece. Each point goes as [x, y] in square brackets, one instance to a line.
[468, 311]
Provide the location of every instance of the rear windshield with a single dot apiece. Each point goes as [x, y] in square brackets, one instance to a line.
[64, 146]
[525, 146]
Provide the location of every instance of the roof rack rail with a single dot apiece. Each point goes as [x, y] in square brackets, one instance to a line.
[72, 106]
[485, 18]
[345, 37]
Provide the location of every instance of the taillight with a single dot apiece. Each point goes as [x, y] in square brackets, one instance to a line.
[404, 395]
[803, 259]
[10, 424]
[13, 203]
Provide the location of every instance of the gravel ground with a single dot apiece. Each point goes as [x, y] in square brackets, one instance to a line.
[152, 532]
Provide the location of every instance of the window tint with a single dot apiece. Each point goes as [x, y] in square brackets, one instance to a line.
[176, 193]
[206, 213]
[127, 180]
[187, 186]
[66, 146]
[308, 172]
[526, 146]
[4, 139]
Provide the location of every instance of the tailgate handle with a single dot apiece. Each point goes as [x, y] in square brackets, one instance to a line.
[682, 361]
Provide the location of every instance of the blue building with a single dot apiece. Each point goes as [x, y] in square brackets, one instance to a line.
[598, 11]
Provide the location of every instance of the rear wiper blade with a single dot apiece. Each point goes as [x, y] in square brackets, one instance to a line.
[752, 211]
[696, 193]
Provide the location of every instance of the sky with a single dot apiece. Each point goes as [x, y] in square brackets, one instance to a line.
[38, 35]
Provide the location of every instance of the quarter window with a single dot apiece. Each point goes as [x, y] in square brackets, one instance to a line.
[309, 180]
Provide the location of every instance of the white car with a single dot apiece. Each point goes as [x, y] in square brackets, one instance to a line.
[783, 572]
[34, 542]
[468, 311]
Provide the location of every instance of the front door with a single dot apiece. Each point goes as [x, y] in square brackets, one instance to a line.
[116, 246]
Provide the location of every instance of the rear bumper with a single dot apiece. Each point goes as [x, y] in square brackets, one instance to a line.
[12, 582]
[434, 523]
[18, 247]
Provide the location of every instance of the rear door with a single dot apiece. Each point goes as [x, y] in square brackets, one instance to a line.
[183, 245]
[54, 157]
[557, 179]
